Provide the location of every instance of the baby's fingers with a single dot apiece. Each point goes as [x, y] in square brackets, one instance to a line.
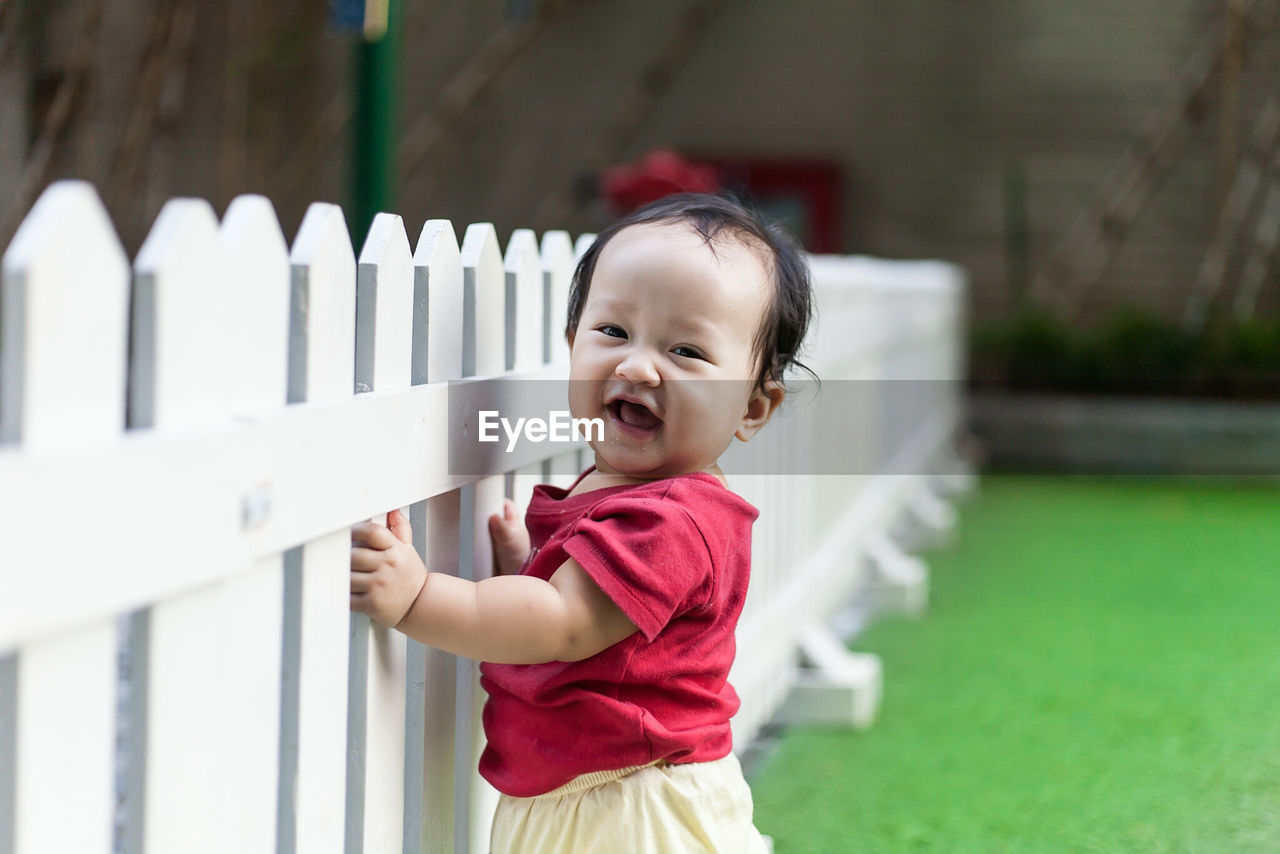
[371, 535]
[398, 523]
[366, 560]
[501, 523]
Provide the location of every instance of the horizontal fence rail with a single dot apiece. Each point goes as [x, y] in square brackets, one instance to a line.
[185, 442]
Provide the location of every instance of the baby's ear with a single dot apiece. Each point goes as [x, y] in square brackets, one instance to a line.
[764, 401]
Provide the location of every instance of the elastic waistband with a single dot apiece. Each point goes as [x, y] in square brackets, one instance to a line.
[598, 778]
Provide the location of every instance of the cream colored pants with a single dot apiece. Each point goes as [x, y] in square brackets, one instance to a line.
[700, 808]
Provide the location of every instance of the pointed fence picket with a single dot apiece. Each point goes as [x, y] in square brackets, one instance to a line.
[62, 382]
[321, 332]
[558, 259]
[484, 345]
[437, 532]
[378, 676]
[181, 460]
[526, 328]
[557, 273]
[188, 662]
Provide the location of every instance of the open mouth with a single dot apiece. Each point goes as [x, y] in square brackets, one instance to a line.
[634, 418]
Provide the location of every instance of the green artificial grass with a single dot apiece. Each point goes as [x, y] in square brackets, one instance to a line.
[1099, 671]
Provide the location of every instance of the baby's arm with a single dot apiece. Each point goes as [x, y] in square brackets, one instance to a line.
[512, 619]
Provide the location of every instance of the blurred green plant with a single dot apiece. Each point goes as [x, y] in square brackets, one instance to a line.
[1130, 352]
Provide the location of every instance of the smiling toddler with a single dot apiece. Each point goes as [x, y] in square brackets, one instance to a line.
[608, 636]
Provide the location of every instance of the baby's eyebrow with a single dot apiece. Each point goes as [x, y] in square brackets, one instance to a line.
[614, 303]
[695, 326]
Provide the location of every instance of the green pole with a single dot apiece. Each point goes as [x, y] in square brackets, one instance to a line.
[373, 167]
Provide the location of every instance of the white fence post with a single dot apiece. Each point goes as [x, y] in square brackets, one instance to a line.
[63, 370]
[526, 322]
[376, 711]
[317, 586]
[252, 639]
[557, 273]
[438, 290]
[171, 697]
[483, 354]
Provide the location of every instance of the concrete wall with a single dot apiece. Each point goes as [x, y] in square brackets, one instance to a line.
[930, 107]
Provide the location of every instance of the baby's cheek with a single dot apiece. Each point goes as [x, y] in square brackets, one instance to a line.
[582, 404]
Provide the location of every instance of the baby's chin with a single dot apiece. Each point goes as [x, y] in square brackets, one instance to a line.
[613, 463]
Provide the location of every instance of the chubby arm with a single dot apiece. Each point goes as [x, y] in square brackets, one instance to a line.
[517, 619]
[509, 619]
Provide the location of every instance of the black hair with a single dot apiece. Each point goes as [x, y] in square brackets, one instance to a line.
[790, 309]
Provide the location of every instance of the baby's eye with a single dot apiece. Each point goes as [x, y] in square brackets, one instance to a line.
[612, 331]
[687, 352]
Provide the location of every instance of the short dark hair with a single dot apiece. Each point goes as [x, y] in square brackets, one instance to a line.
[790, 309]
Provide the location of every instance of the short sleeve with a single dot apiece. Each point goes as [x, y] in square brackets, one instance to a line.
[647, 555]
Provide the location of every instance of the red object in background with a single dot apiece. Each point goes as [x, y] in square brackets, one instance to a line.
[657, 174]
[804, 194]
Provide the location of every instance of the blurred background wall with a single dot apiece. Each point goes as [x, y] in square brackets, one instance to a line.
[976, 132]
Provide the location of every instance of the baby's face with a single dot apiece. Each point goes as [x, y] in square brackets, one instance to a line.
[664, 350]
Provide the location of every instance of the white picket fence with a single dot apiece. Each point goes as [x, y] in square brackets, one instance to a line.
[185, 443]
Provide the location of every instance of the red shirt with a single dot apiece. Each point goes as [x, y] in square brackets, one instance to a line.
[675, 556]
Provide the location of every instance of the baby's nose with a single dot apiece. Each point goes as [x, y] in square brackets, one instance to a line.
[638, 368]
